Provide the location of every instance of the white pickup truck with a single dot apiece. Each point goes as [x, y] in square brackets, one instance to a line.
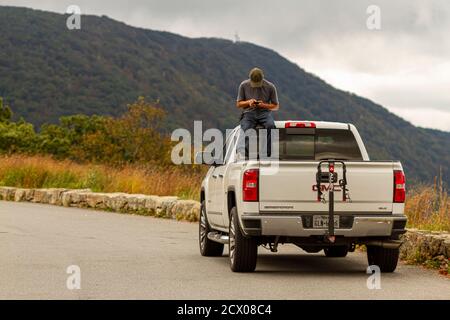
[323, 175]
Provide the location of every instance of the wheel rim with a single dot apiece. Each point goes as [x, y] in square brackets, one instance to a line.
[202, 229]
[232, 238]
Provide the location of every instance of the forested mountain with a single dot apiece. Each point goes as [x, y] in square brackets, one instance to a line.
[47, 71]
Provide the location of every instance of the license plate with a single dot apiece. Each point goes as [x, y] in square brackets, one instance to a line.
[321, 222]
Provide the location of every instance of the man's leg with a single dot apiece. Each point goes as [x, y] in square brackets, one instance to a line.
[266, 120]
[248, 121]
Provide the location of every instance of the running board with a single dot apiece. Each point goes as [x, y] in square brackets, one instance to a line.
[218, 237]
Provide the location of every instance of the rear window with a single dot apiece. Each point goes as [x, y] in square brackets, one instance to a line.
[318, 144]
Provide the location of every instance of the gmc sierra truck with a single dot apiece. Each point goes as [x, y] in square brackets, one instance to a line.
[323, 193]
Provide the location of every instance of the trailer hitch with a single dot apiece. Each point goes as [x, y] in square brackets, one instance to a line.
[331, 177]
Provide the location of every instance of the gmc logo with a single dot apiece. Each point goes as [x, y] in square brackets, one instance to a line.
[324, 188]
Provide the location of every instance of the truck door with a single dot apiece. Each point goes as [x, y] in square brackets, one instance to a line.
[219, 182]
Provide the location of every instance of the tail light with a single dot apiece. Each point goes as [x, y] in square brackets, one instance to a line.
[399, 186]
[300, 125]
[250, 185]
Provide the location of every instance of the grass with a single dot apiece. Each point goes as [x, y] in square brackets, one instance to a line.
[45, 172]
[427, 206]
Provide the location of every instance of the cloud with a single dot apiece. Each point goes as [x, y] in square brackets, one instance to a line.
[404, 66]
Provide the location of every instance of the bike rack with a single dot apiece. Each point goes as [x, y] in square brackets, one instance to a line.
[331, 177]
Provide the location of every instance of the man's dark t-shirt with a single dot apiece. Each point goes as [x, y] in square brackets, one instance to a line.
[267, 93]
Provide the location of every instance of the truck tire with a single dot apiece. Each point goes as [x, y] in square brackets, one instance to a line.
[243, 251]
[385, 259]
[208, 248]
[336, 252]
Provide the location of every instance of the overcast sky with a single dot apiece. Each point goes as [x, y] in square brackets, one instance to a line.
[405, 66]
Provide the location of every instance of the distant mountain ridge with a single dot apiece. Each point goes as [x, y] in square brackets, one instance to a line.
[48, 71]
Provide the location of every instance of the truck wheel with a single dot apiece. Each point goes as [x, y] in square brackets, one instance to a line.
[385, 259]
[243, 251]
[336, 252]
[208, 248]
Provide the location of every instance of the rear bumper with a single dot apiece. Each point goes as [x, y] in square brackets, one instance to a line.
[293, 226]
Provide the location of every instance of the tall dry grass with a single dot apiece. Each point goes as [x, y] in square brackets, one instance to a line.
[45, 172]
[427, 207]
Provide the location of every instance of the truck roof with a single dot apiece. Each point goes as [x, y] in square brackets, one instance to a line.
[318, 124]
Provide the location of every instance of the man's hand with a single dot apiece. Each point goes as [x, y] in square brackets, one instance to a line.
[256, 103]
[252, 102]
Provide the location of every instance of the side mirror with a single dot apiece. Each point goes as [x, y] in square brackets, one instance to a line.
[207, 158]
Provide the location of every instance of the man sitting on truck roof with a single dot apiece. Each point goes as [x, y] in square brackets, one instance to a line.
[257, 98]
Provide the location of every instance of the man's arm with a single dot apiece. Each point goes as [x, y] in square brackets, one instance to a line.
[269, 106]
[245, 103]
[241, 101]
[274, 104]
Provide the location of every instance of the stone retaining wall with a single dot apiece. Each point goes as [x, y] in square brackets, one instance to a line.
[418, 245]
[166, 207]
[421, 245]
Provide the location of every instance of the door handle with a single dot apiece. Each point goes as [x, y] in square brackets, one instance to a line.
[214, 176]
[221, 175]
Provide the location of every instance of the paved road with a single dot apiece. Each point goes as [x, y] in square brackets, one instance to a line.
[134, 257]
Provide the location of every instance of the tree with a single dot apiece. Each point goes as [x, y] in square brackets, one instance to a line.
[5, 112]
[15, 136]
[66, 139]
[138, 132]
[133, 137]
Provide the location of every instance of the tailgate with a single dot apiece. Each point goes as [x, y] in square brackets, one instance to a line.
[292, 187]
